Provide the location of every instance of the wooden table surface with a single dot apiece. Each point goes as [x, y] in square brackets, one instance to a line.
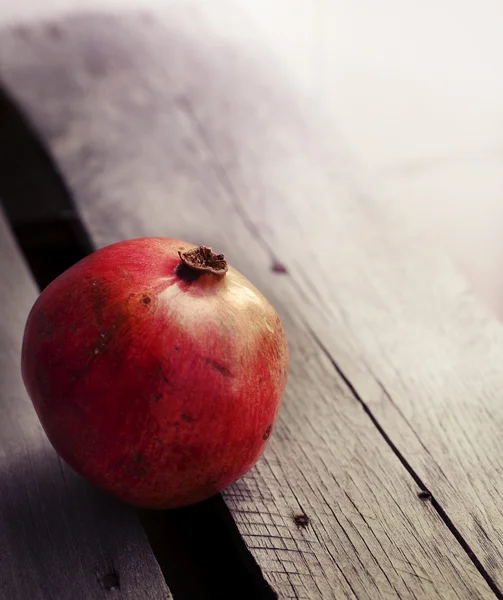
[389, 438]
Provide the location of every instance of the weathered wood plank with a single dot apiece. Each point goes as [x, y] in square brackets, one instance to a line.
[59, 537]
[181, 130]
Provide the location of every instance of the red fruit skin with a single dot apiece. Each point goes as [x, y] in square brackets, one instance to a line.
[159, 390]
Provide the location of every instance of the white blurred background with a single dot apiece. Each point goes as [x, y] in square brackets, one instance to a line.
[416, 89]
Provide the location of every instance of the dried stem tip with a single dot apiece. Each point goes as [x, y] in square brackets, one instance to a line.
[204, 260]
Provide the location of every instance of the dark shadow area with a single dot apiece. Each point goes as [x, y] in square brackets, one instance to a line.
[204, 535]
[199, 549]
[36, 200]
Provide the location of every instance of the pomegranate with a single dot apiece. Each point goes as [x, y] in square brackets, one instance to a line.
[156, 370]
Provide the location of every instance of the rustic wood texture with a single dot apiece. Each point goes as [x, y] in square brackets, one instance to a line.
[59, 537]
[184, 128]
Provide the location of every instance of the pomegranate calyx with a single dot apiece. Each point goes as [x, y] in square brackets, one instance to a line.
[204, 260]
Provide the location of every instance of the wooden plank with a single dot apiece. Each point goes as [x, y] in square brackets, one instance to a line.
[59, 537]
[184, 131]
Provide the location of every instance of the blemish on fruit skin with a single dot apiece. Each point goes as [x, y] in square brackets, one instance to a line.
[99, 293]
[135, 465]
[156, 397]
[267, 324]
[187, 418]
[137, 302]
[102, 341]
[224, 371]
[267, 432]
[46, 328]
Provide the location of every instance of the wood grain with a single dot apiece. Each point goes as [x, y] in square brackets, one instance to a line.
[59, 538]
[185, 128]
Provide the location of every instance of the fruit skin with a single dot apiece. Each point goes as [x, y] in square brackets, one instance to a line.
[160, 389]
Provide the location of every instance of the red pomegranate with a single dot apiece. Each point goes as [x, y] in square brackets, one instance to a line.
[156, 370]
